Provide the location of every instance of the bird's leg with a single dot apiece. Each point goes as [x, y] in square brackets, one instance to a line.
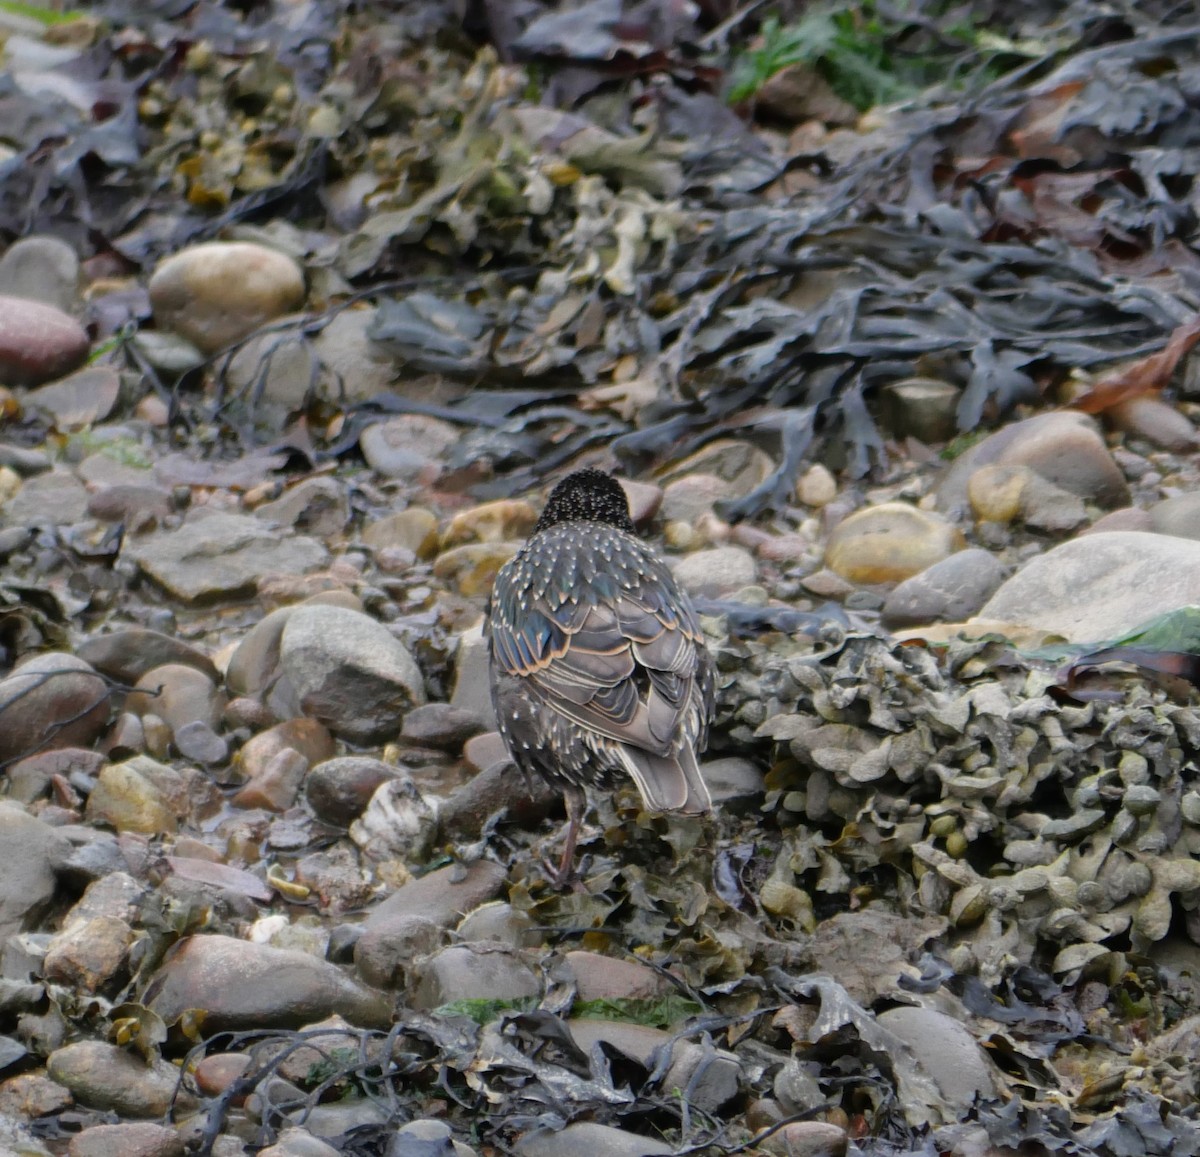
[576, 803]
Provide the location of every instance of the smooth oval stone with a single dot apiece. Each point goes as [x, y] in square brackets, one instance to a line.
[410, 447]
[1156, 421]
[177, 694]
[218, 292]
[890, 543]
[243, 985]
[716, 572]
[414, 529]
[52, 700]
[500, 521]
[38, 342]
[350, 672]
[338, 790]
[41, 268]
[945, 1050]
[1064, 447]
[951, 590]
[1178, 516]
[1100, 586]
[816, 487]
[104, 1076]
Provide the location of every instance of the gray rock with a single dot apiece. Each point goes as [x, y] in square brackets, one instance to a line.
[117, 895]
[141, 506]
[426, 1139]
[945, 1050]
[1127, 518]
[1100, 586]
[587, 1139]
[56, 498]
[244, 985]
[25, 460]
[42, 269]
[339, 790]
[395, 930]
[707, 1079]
[924, 408]
[351, 367]
[220, 555]
[441, 725]
[949, 591]
[734, 783]
[96, 857]
[27, 884]
[316, 506]
[13, 539]
[129, 1139]
[361, 367]
[1063, 447]
[255, 663]
[198, 742]
[17, 1141]
[52, 700]
[1045, 506]
[1156, 420]
[409, 447]
[337, 1118]
[716, 572]
[498, 921]
[472, 688]
[103, 1076]
[526, 800]
[600, 977]
[79, 400]
[471, 972]
[350, 672]
[686, 498]
[295, 1142]
[1179, 516]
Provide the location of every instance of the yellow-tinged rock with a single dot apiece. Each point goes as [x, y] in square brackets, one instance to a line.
[889, 543]
[501, 521]
[996, 492]
[218, 292]
[472, 568]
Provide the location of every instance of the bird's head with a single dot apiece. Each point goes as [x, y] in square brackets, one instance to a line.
[587, 495]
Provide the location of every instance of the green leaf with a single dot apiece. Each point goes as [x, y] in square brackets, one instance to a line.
[661, 1012]
[42, 15]
[483, 1010]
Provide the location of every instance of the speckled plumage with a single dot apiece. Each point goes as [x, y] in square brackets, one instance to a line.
[598, 665]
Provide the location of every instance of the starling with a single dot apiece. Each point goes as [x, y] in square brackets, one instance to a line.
[598, 665]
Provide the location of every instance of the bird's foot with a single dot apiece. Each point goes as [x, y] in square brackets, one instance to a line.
[565, 875]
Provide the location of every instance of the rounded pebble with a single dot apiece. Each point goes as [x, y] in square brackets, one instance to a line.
[890, 543]
[218, 292]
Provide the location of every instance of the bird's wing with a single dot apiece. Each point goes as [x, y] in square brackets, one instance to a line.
[624, 668]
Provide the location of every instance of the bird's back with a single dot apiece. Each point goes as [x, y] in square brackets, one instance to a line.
[599, 665]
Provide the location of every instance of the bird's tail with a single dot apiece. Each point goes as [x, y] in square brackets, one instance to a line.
[668, 783]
